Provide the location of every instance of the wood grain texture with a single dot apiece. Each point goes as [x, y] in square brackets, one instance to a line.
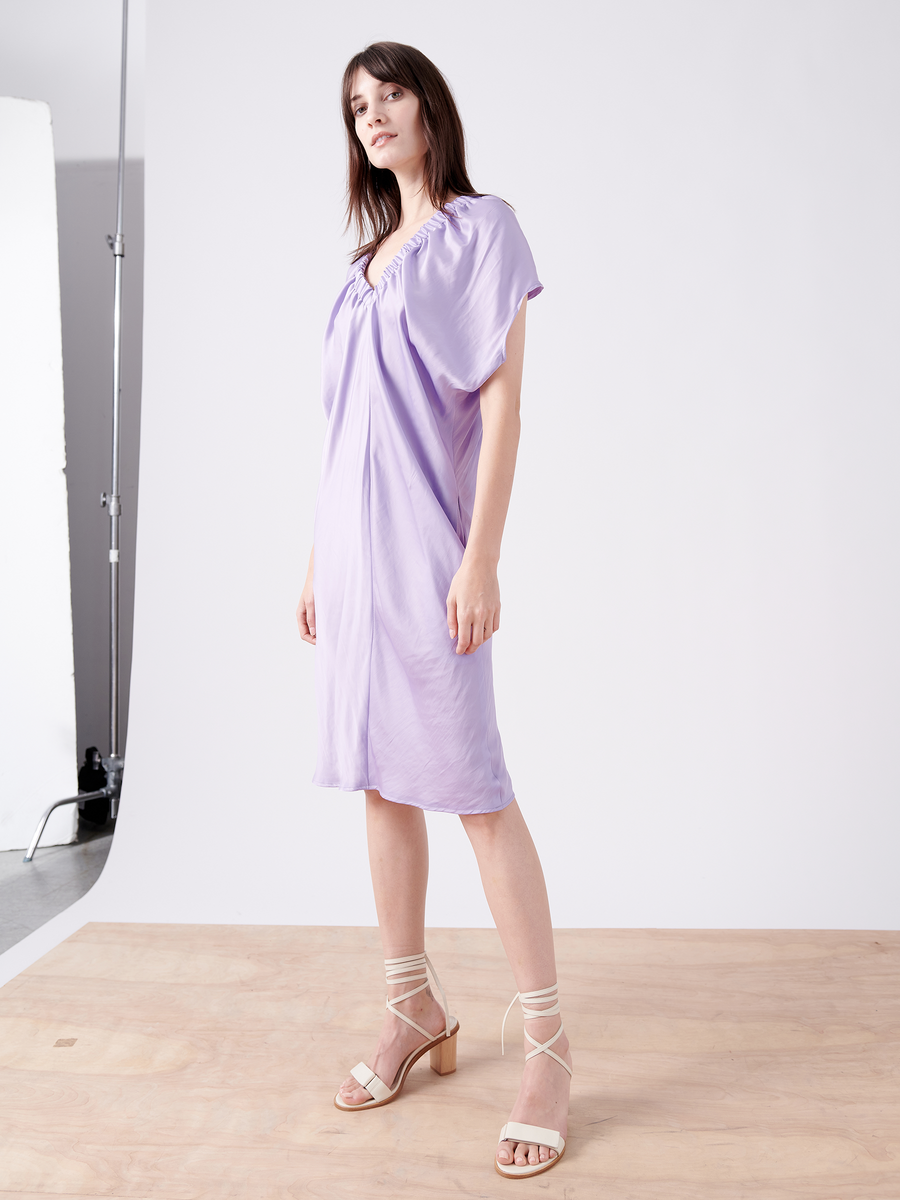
[714, 1064]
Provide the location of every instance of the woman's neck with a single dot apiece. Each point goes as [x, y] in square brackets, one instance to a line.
[415, 203]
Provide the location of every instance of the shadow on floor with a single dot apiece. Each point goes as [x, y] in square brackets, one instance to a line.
[32, 893]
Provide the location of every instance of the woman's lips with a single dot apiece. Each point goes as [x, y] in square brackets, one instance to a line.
[383, 139]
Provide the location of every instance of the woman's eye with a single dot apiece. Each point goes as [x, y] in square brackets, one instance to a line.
[357, 112]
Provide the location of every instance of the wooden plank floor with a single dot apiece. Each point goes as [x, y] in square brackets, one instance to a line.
[707, 1064]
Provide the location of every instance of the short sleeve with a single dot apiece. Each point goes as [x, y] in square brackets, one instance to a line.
[463, 289]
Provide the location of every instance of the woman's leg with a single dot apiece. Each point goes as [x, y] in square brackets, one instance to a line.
[515, 890]
[398, 859]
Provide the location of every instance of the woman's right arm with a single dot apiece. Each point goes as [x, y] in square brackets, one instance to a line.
[306, 609]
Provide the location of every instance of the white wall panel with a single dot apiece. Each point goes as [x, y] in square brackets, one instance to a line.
[37, 695]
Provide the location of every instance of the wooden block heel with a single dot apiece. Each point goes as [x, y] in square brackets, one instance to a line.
[443, 1056]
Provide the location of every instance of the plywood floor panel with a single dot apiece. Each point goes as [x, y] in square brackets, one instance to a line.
[715, 1064]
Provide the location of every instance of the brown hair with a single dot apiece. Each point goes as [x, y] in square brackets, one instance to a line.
[373, 197]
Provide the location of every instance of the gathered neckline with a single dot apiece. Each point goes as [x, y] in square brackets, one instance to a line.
[417, 239]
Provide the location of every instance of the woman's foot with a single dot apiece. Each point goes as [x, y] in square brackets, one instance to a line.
[543, 1097]
[397, 1040]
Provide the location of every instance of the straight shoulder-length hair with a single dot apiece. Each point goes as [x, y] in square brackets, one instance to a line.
[373, 197]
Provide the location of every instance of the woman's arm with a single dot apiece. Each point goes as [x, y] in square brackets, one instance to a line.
[473, 602]
[306, 609]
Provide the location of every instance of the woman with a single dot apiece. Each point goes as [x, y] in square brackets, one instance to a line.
[422, 370]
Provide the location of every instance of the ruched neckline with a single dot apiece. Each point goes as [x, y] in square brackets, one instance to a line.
[421, 235]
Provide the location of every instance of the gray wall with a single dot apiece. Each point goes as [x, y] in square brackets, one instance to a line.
[86, 199]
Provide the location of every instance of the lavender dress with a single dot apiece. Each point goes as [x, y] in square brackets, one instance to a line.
[398, 709]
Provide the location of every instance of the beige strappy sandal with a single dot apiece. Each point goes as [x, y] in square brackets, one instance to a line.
[442, 1047]
[515, 1131]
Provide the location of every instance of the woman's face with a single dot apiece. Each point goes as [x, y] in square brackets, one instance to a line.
[387, 123]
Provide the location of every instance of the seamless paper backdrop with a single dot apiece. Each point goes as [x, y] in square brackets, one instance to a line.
[697, 670]
[38, 762]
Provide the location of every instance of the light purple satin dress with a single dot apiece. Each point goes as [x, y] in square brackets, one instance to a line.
[398, 709]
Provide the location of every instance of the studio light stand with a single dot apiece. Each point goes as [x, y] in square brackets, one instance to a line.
[113, 763]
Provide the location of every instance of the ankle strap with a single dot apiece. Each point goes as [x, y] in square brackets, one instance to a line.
[548, 995]
[408, 970]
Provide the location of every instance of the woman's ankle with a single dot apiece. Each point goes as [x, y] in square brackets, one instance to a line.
[542, 1029]
[424, 1002]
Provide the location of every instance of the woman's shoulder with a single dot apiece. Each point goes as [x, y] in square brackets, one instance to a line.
[484, 209]
[475, 223]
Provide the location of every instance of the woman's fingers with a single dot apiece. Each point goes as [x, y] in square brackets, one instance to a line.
[464, 634]
[473, 615]
[306, 620]
[452, 623]
[475, 632]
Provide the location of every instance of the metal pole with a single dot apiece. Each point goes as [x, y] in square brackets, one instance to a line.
[113, 501]
[115, 506]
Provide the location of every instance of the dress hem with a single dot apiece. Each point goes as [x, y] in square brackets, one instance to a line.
[416, 804]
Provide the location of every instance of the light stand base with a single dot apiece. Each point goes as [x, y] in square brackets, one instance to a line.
[114, 766]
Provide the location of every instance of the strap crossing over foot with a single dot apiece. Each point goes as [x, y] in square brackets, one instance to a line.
[536, 1135]
[550, 997]
[411, 968]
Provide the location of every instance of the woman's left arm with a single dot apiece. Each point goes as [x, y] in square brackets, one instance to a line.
[473, 602]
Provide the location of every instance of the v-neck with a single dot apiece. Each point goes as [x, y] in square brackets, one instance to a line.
[420, 234]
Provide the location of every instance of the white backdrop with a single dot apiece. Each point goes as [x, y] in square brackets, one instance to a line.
[38, 760]
[697, 670]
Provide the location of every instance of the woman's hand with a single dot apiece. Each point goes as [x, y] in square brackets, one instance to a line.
[306, 609]
[473, 605]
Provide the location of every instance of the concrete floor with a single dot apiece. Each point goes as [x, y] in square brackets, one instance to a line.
[32, 893]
